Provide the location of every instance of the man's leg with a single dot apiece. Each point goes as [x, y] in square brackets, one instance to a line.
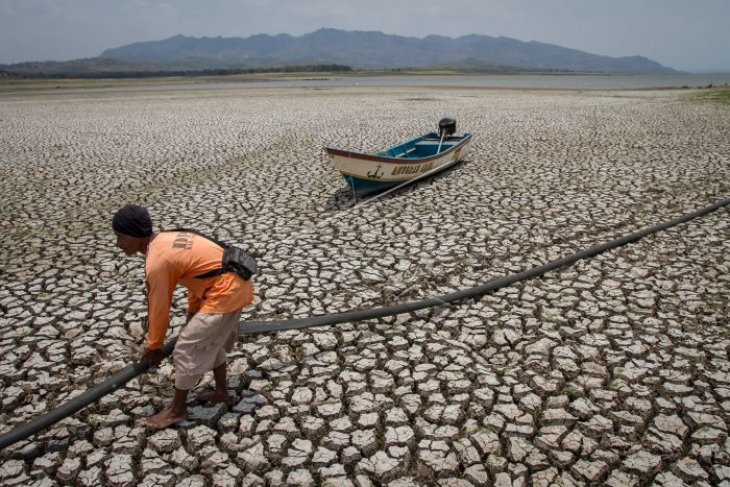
[187, 358]
[220, 394]
[174, 414]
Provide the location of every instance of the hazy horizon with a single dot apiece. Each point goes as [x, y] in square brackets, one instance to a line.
[686, 36]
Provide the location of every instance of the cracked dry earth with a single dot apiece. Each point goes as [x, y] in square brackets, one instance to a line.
[613, 371]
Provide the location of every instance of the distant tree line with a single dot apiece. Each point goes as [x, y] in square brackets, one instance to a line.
[175, 73]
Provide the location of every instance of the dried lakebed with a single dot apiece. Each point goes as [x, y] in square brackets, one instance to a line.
[612, 371]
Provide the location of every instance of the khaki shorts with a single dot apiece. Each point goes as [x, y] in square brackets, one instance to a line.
[202, 346]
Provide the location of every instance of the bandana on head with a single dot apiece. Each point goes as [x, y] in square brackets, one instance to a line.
[132, 220]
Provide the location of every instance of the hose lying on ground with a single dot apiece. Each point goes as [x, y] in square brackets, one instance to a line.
[255, 327]
[81, 401]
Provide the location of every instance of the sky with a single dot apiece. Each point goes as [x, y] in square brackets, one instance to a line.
[687, 35]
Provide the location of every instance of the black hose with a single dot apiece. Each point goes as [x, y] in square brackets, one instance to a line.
[254, 327]
[81, 401]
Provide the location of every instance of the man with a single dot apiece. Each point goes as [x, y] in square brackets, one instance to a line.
[214, 306]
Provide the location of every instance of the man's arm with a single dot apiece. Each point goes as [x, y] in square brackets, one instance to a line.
[194, 304]
[160, 287]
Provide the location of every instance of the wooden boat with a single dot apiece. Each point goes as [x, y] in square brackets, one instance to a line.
[415, 159]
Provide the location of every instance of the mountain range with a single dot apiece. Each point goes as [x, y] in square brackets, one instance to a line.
[369, 50]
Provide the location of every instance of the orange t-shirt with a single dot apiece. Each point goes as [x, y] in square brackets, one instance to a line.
[176, 258]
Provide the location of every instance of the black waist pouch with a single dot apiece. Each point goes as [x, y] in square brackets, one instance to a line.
[239, 261]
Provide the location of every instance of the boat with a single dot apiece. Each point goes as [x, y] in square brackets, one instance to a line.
[403, 163]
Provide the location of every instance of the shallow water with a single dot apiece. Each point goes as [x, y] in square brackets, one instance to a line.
[506, 81]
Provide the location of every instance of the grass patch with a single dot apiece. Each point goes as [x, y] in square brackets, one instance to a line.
[13, 85]
[718, 95]
[572, 392]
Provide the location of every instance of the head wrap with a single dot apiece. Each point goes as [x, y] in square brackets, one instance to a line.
[132, 220]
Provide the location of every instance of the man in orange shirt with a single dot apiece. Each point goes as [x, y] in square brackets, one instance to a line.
[214, 306]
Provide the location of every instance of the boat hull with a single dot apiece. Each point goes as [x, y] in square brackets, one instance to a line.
[412, 160]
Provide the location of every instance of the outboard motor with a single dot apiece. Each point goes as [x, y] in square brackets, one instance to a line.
[447, 127]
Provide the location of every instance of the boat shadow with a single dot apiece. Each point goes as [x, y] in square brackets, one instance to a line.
[344, 199]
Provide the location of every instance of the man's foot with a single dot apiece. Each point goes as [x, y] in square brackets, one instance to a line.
[162, 420]
[216, 396]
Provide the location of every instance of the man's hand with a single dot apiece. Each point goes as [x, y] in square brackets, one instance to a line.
[152, 357]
